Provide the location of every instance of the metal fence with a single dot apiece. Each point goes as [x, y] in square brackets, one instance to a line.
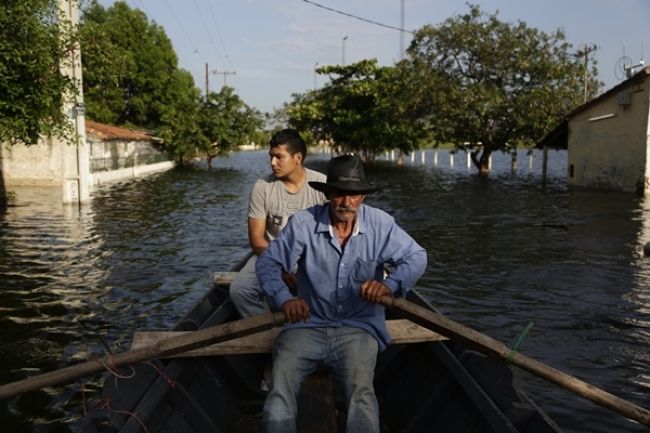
[108, 164]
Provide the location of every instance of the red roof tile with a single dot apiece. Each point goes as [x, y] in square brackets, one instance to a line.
[109, 132]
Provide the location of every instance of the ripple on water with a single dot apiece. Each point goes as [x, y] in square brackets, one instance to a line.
[77, 282]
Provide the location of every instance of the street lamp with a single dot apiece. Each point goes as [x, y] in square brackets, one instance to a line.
[345, 38]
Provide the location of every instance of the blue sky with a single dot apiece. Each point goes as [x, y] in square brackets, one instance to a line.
[272, 46]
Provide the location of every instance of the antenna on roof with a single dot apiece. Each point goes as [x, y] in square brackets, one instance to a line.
[631, 69]
[624, 68]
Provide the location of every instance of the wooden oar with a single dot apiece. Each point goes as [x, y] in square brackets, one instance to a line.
[162, 348]
[491, 347]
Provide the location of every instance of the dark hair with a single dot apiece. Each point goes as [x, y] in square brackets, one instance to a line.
[292, 139]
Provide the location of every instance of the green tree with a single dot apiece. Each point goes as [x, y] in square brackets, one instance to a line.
[179, 115]
[226, 122]
[360, 110]
[131, 76]
[128, 64]
[490, 85]
[31, 85]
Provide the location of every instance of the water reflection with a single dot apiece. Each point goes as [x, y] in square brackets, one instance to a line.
[77, 282]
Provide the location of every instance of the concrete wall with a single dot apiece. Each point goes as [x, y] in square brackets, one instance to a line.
[101, 177]
[45, 163]
[40, 164]
[608, 141]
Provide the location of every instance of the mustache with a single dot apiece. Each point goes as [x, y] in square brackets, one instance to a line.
[345, 209]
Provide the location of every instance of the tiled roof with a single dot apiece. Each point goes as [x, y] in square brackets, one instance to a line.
[109, 132]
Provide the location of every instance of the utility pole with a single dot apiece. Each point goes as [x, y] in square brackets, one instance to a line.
[345, 38]
[207, 85]
[315, 74]
[584, 52]
[75, 164]
[225, 74]
[401, 33]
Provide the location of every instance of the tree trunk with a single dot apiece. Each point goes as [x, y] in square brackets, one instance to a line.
[482, 163]
[484, 169]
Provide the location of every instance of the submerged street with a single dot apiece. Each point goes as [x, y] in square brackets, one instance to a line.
[502, 253]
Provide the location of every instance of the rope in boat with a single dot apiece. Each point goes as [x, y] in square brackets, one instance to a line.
[105, 404]
[112, 368]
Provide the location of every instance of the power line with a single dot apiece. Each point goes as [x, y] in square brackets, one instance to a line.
[401, 35]
[142, 7]
[216, 27]
[356, 17]
[191, 65]
[180, 25]
[207, 29]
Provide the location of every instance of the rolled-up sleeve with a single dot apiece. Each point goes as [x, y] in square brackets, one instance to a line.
[406, 273]
[406, 260]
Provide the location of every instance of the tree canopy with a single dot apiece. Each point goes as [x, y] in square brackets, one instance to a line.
[131, 77]
[129, 68]
[31, 83]
[492, 85]
[474, 81]
[359, 110]
[226, 121]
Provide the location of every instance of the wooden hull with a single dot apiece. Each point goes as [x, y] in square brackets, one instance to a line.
[421, 387]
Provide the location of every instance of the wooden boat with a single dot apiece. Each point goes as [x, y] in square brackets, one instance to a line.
[423, 384]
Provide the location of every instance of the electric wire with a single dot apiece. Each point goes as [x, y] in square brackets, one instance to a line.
[207, 29]
[139, 4]
[192, 44]
[216, 27]
[356, 17]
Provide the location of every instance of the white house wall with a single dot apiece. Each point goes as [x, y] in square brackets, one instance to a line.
[47, 162]
[38, 164]
[608, 141]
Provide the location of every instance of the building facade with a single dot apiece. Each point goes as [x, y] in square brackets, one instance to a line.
[609, 138]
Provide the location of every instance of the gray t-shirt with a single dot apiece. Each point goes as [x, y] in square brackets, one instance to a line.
[270, 200]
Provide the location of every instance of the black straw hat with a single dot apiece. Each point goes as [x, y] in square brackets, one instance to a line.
[345, 173]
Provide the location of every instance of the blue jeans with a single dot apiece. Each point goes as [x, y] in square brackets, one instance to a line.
[349, 353]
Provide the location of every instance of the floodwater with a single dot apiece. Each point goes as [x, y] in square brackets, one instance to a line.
[502, 253]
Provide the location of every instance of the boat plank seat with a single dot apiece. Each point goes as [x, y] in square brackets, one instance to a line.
[223, 278]
[401, 331]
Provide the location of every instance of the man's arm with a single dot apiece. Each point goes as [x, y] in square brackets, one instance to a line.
[407, 261]
[256, 232]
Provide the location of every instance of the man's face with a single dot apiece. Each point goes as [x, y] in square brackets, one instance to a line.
[344, 206]
[283, 163]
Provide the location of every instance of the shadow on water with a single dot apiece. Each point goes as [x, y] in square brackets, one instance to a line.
[501, 253]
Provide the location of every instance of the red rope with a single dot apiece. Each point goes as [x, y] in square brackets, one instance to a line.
[113, 369]
[106, 403]
[135, 417]
[162, 374]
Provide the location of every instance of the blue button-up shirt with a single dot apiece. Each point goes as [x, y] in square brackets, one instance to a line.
[329, 278]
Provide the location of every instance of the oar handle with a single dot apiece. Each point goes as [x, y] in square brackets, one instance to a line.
[489, 346]
[169, 346]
